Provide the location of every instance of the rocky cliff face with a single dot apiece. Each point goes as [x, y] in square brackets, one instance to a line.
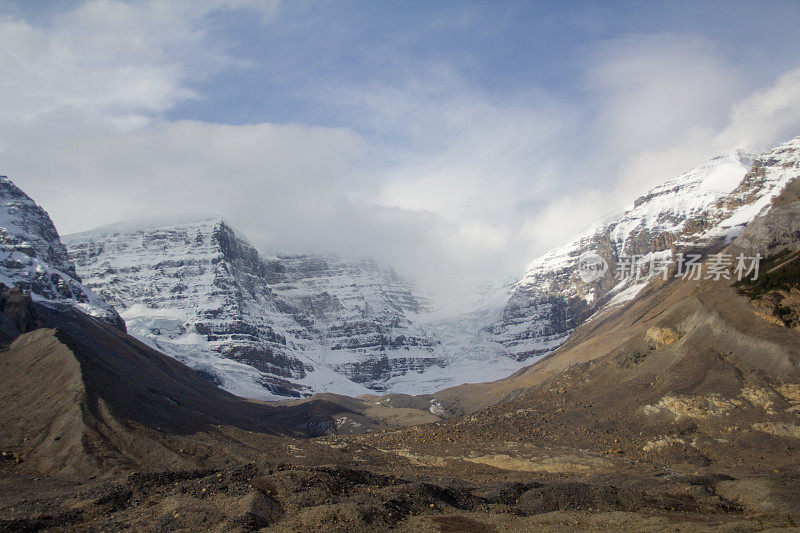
[698, 211]
[33, 258]
[258, 326]
[361, 312]
[198, 292]
[778, 228]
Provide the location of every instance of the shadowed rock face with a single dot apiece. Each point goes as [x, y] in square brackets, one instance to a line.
[776, 237]
[698, 211]
[17, 314]
[33, 257]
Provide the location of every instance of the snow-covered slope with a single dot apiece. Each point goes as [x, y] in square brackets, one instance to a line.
[362, 314]
[33, 257]
[699, 210]
[197, 292]
[259, 326]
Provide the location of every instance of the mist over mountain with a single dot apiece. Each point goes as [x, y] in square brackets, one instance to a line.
[282, 326]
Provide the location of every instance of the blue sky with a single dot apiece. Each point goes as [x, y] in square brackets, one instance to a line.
[501, 48]
[453, 140]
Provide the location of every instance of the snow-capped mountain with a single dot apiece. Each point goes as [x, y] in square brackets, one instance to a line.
[197, 292]
[260, 326]
[274, 326]
[699, 210]
[33, 258]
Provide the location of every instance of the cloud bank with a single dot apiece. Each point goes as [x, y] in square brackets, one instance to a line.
[453, 183]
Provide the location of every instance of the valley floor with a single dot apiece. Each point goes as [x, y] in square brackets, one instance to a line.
[347, 484]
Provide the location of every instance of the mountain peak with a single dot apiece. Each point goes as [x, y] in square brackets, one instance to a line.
[148, 224]
[706, 206]
[36, 260]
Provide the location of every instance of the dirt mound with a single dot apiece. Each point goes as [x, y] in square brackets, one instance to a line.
[46, 421]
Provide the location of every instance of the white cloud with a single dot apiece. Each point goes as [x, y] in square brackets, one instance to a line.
[650, 88]
[111, 61]
[666, 104]
[446, 181]
[185, 166]
[561, 218]
[760, 120]
[766, 117]
[471, 158]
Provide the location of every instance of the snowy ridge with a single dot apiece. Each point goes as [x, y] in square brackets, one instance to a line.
[33, 257]
[194, 289]
[668, 208]
[705, 207]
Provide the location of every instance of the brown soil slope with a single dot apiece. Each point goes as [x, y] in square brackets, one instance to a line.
[80, 396]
